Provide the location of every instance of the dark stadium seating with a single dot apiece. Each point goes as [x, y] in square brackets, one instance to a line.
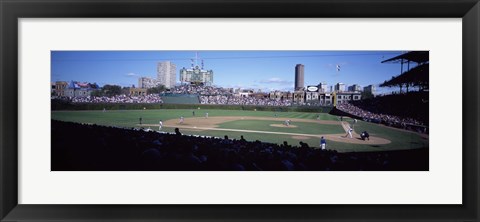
[409, 105]
[409, 111]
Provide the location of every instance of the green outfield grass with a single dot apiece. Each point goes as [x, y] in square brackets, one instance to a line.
[300, 127]
[130, 118]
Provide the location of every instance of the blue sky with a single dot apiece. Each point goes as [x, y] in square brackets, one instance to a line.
[266, 70]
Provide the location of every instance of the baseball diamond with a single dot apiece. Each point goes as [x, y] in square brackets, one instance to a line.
[258, 125]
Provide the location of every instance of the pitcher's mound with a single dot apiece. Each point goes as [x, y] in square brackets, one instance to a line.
[282, 125]
[356, 139]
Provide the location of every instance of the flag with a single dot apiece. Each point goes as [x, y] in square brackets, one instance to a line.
[82, 84]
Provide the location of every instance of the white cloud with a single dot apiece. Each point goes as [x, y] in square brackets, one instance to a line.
[275, 80]
[131, 74]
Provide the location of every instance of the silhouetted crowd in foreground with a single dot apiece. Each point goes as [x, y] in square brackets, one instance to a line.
[91, 148]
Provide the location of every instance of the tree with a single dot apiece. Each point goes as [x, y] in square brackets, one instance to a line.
[126, 90]
[112, 90]
[156, 90]
[97, 93]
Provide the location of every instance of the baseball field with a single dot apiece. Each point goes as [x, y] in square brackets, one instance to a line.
[266, 126]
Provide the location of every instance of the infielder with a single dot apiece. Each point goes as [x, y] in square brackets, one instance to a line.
[206, 115]
[160, 125]
[287, 122]
[181, 120]
[349, 132]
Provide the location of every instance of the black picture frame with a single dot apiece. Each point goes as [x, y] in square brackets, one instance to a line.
[11, 11]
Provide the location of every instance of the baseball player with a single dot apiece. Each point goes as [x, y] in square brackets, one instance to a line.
[206, 115]
[349, 132]
[287, 122]
[160, 125]
[181, 120]
[365, 135]
[323, 143]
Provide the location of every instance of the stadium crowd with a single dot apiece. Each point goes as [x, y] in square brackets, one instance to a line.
[373, 117]
[238, 100]
[389, 120]
[224, 96]
[110, 148]
[200, 90]
[152, 98]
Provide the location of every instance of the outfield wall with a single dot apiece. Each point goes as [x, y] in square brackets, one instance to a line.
[180, 99]
[63, 105]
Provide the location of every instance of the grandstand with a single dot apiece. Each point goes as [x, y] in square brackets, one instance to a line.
[415, 77]
[403, 109]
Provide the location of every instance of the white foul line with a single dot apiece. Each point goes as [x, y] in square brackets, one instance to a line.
[247, 131]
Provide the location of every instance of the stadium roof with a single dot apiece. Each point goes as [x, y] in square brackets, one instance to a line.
[416, 76]
[414, 56]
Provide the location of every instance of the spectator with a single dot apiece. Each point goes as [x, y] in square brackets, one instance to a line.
[177, 132]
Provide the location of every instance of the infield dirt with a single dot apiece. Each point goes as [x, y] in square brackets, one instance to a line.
[212, 123]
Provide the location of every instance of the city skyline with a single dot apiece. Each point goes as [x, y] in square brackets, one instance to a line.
[265, 70]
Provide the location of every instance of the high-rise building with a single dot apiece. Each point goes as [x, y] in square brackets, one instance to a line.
[322, 87]
[354, 88]
[340, 87]
[166, 74]
[369, 89]
[146, 83]
[299, 77]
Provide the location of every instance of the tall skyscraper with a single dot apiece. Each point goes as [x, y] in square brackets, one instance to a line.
[340, 87]
[166, 74]
[299, 76]
[322, 87]
[369, 89]
[354, 88]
